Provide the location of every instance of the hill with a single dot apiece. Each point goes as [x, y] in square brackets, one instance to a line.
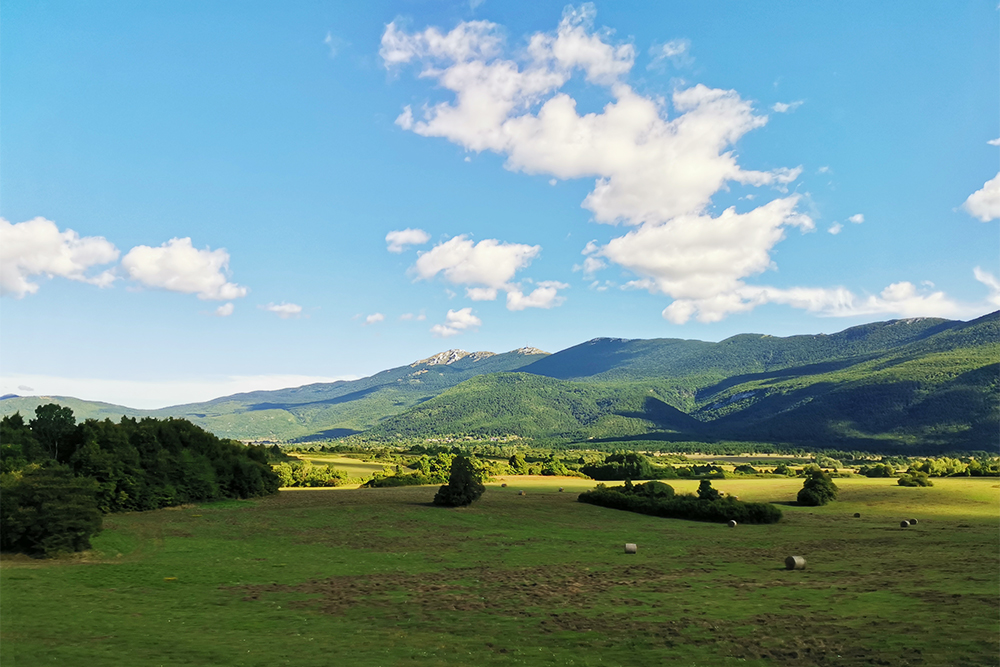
[919, 382]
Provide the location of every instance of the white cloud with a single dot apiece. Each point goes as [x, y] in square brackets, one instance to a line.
[37, 247]
[179, 267]
[782, 107]
[835, 228]
[225, 310]
[902, 299]
[697, 257]
[284, 310]
[456, 322]
[398, 240]
[988, 279]
[984, 204]
[481, 293]
[152, 394]
[489, 263]
[823, 170]
[994, 142]
[857, 218]
[374, 318]
[648, 167]
[545, 295]
[678, 51]
[407, 317]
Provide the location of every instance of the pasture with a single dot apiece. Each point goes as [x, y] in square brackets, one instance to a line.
[381, 577]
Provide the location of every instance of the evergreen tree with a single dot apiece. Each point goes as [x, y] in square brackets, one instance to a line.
[463, 485]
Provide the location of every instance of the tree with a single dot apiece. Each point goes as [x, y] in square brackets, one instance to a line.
[818, 489]
[53, 427]
[707, 492]
[517, 464]
[463, 485]
[46, 511]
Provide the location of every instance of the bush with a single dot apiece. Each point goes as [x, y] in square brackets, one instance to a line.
[463, 485]
[915, 478]
[650, 498]
[47, 511]
[818, 488]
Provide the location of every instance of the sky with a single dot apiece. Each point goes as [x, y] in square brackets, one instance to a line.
[204, 198]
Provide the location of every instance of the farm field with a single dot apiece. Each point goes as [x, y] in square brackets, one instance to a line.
[353, 467]
[382, 577]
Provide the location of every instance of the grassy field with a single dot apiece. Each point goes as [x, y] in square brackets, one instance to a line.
[353, 467]
[381, 577]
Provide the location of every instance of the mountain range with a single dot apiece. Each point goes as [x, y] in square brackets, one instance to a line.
[924, 382]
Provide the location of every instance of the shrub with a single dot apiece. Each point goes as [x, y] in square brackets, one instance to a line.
[818, 488]
[658, 499]
[745, 469]
[47, 511]
[915, 478]
[463, 485]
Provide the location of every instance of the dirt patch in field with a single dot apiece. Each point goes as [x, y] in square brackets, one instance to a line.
[604, 608]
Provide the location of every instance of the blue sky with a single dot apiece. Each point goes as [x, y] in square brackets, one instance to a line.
[203, 198]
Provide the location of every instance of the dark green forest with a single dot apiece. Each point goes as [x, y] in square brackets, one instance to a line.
[57, 477]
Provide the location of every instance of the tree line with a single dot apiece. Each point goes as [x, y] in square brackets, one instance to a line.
[57, 477]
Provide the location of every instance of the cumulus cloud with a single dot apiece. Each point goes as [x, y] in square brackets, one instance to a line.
[857, 218]
[696, 258]
[545, 295]
[374, 318]
[783, 107]
[656, 164]
[648, 166]
[38, 248]
[485, 268]
[984, 204]
[284, 310]
[456, 322]
[994, 142]
[489, 263]
[225, 310]
[178, 266]
[398, 240]
[835, 228]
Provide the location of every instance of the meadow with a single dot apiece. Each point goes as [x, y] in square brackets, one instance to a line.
[349, 576]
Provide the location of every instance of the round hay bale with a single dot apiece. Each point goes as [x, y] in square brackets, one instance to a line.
[795, 563]
[904, 524]
[913, 522]
[520, 493]
[857, 515]
[631, 548]
[560, 489]
[731, 523]
[504, 485]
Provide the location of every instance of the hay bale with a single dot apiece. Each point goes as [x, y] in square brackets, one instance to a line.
[913, 522]
[631, 548]
[520, 493]
[504, 485]
[731, 523]
[857, 515]
[904, 524]
[795, 563]
[560, 489]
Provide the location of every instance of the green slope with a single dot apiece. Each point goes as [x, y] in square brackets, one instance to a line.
[316, 410]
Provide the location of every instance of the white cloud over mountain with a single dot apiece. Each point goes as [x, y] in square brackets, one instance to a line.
[178, 266]
[456, 321]
[656, 165]
[38, 248]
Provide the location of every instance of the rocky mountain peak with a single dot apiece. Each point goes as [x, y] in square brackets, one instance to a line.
[527, 351]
